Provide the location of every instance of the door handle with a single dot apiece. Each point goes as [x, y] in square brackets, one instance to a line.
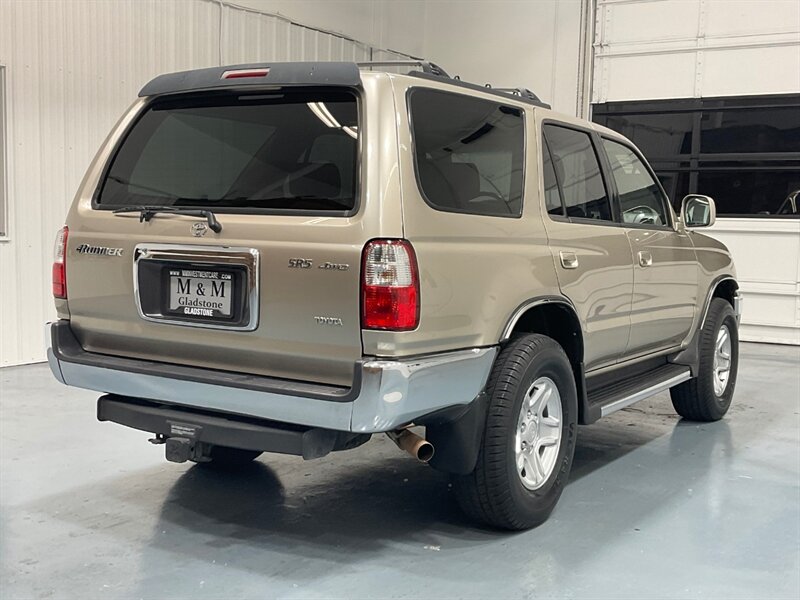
[645, 258]
[569, 260]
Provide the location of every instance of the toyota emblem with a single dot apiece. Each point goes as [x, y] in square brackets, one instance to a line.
[199, 229]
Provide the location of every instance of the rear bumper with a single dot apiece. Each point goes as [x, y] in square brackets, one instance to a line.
[218, 429]
[385, 395]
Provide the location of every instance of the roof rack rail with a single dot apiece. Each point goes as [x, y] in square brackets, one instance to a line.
[433, 71]
[521, 92]
[427, 67]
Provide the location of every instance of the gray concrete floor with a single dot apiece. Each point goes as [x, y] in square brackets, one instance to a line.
[656, 507]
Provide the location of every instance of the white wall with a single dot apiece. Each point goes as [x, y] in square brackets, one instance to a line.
[767, 255]
[651, 49]
[509, 43]
[71, 70]
[393, 24]
[648, 49]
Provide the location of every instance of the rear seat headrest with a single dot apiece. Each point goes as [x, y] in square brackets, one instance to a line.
[320, 180]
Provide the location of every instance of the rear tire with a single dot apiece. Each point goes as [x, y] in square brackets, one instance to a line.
[707, 397]
[225, 457]
[526, 451]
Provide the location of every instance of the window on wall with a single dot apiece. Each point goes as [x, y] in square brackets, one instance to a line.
[656, 135]
[3, 187]
[743, 152]
[773, 129]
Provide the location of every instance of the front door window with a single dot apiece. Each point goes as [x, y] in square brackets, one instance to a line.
[641, 201]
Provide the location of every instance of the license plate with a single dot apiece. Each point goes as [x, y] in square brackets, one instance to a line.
[199, 293]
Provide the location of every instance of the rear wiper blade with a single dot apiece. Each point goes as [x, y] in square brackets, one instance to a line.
[141, 208]
[148, 212]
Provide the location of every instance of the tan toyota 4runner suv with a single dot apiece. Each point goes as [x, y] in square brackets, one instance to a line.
[291, 257]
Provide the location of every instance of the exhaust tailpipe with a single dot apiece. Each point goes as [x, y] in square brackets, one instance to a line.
[410, 442]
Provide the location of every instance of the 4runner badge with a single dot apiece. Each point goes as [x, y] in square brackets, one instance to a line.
[98, 250]
[199, 229]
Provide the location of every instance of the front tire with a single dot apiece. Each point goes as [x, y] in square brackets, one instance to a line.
[707, 397]
[528, 440]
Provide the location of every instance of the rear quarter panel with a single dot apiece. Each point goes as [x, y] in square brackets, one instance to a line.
[474, 270]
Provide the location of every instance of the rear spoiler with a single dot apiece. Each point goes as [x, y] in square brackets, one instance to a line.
[256, 74]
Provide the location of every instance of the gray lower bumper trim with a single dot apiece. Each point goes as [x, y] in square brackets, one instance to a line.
[392, 393]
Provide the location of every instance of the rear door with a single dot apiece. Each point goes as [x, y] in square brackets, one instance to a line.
[591, 251]
[276, 291]
[665, 264]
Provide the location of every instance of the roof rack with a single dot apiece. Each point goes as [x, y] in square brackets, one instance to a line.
[521, 92]
[434, 71]
[427, 67]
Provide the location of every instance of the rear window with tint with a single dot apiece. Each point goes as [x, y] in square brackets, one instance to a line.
[469, 153]
[282, 151]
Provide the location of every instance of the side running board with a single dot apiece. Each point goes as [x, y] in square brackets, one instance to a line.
[621, 394]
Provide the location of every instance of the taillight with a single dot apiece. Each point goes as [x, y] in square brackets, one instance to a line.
[389, 286]
[60, 264]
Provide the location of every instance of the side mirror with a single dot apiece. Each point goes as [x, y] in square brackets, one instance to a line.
[791, 205]
[698, 211]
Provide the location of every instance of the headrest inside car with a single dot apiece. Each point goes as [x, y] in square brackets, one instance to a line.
[314, 180]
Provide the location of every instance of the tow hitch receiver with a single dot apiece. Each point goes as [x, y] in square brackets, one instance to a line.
[178, 450]
[181, 449]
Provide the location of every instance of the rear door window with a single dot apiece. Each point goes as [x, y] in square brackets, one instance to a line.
[469, 153]
[286, 151]
[578, 173]
[552, 196]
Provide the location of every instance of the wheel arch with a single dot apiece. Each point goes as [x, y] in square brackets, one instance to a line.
[725, 287]
[555, 317]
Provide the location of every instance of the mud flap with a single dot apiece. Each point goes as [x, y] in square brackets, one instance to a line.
[456, 439]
